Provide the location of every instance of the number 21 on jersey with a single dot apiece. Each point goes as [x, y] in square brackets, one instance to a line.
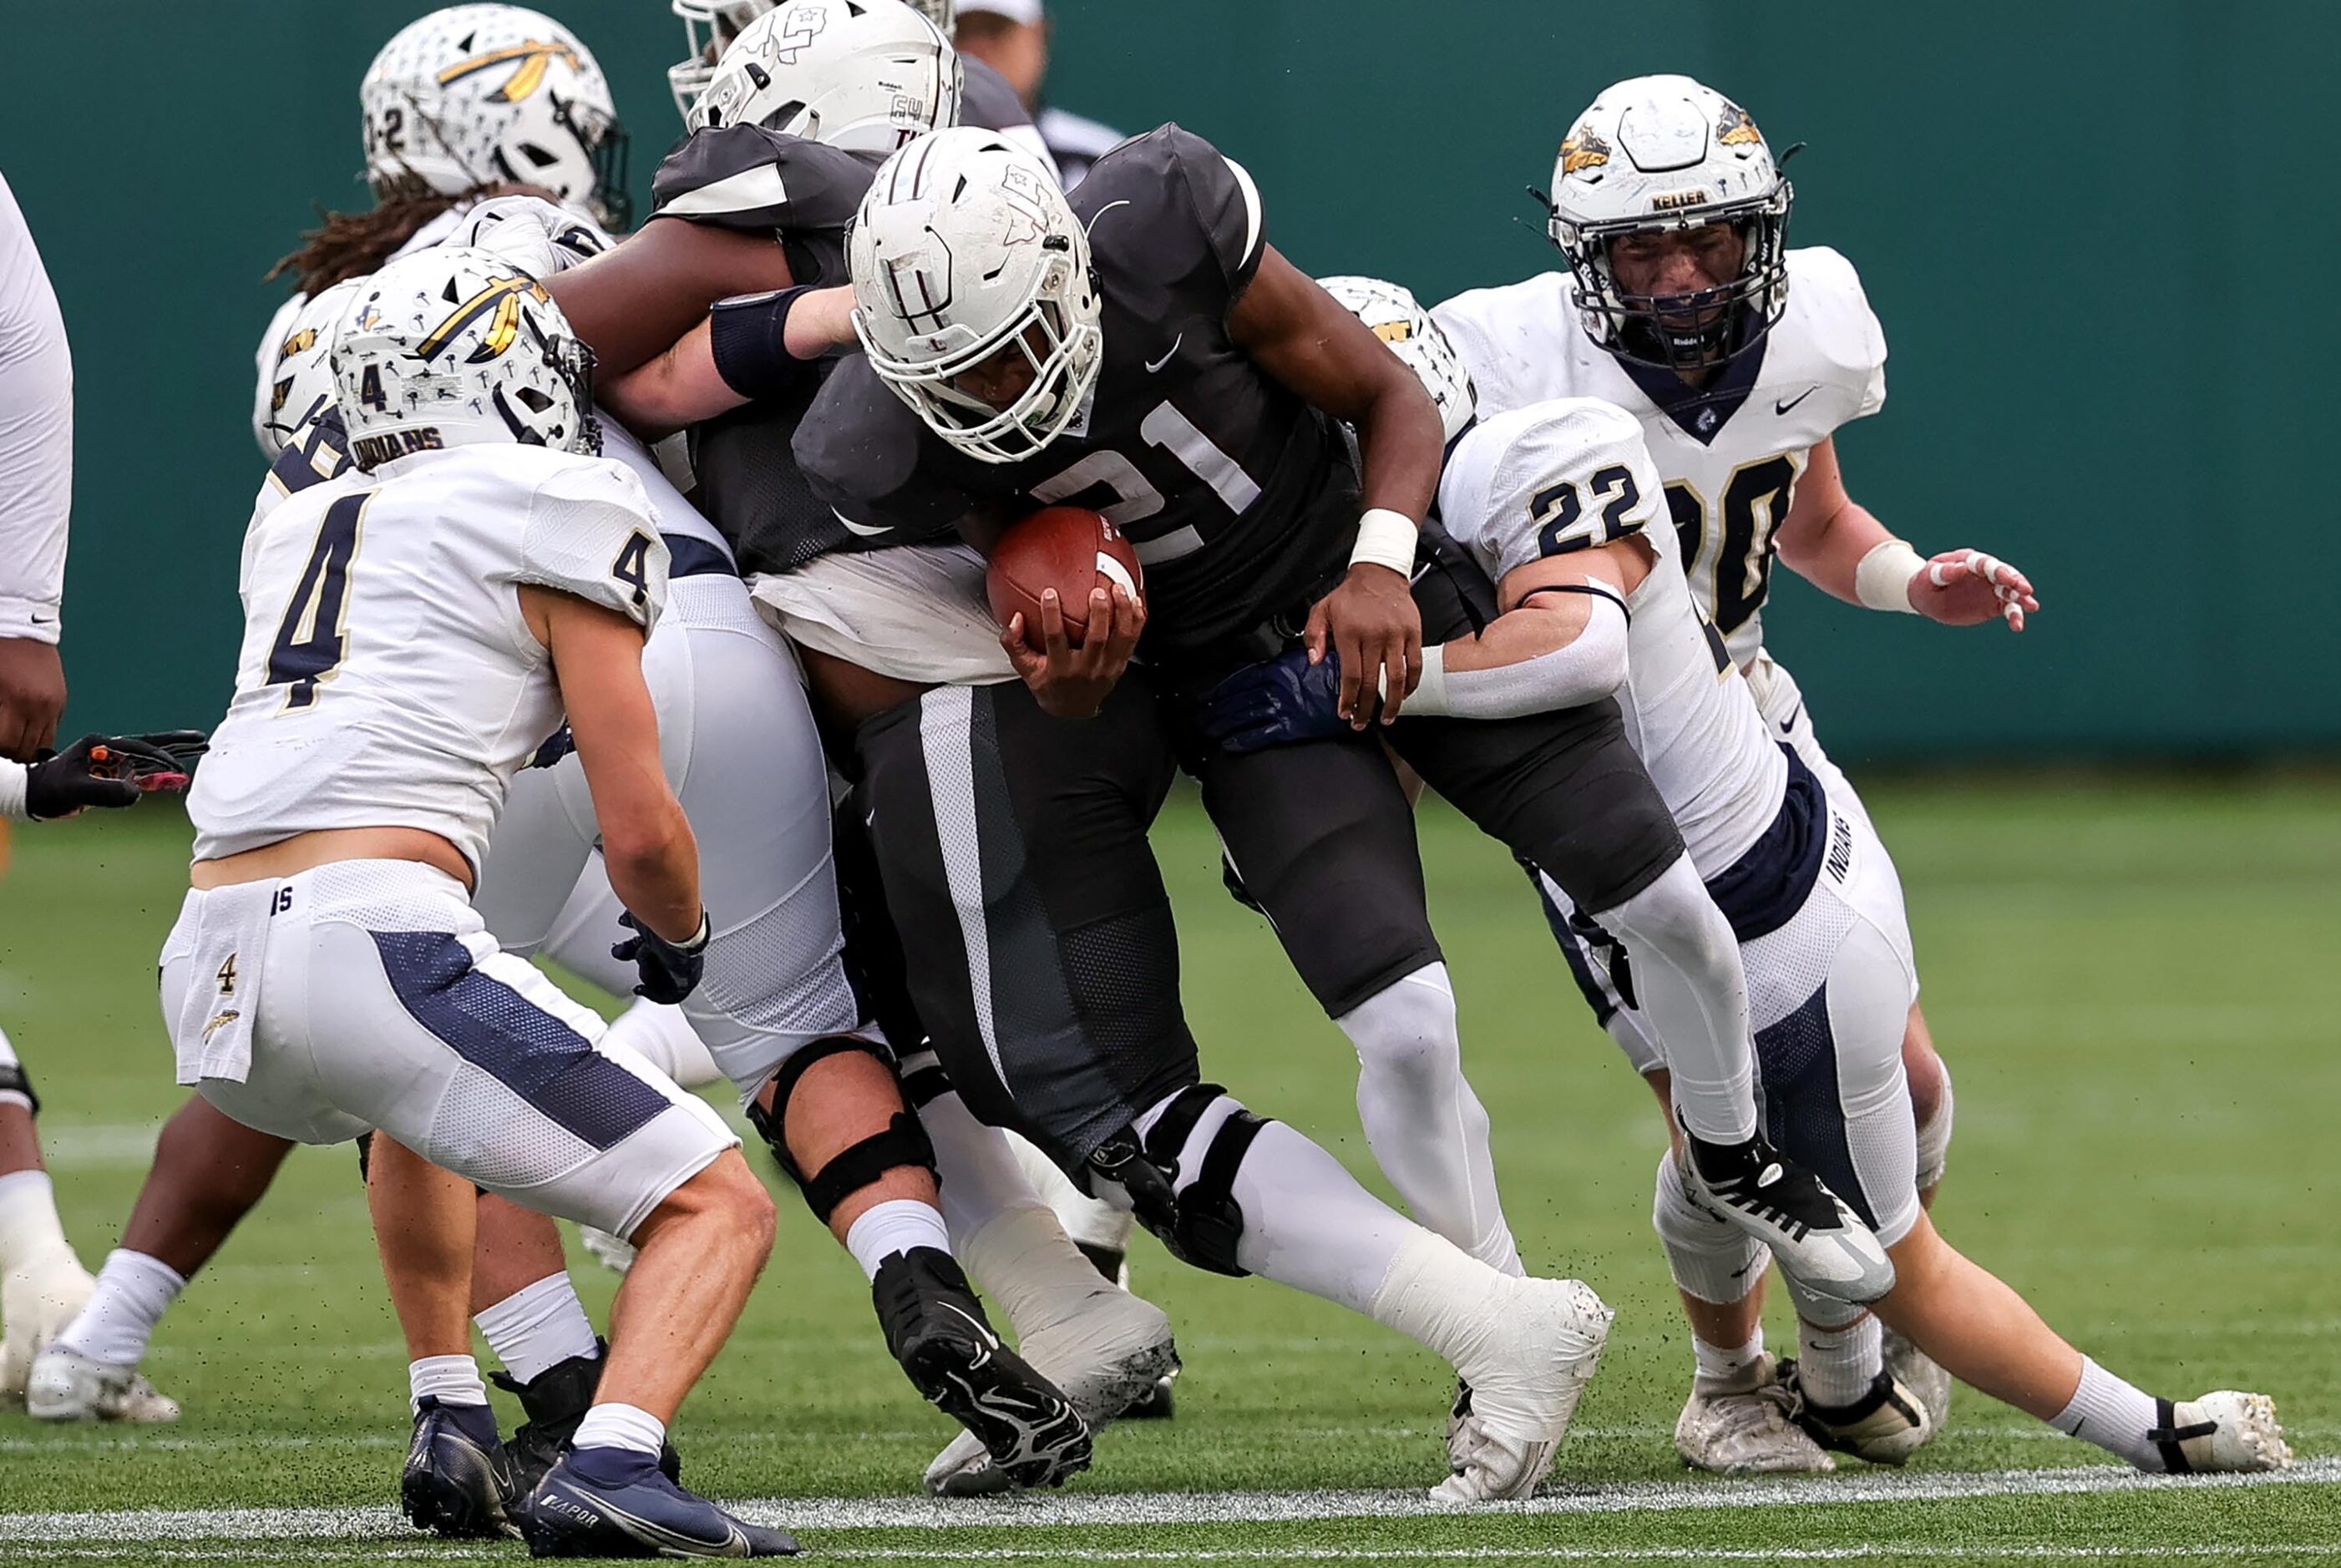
[313, 638]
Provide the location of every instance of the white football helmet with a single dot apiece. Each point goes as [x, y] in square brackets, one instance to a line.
[964, 250]
[479, 94]
[452, 347]
[865, 76]
[1394, 315]
[709, 27]
[301, 385]
[1667, 153]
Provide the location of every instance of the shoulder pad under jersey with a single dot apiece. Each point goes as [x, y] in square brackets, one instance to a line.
[1169, 204]
[746, 177]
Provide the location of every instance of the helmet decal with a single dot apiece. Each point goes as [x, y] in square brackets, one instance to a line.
[534, 58]
[1583, 150]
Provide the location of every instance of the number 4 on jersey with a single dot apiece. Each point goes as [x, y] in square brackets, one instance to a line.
[313, 636]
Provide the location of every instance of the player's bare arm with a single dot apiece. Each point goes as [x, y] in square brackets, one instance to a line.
[634, 302]
[653, 859]
[764, 337]
[1300, 335]
[1834, 543]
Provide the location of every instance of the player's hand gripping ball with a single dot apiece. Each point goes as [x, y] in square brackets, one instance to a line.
[1070, 548]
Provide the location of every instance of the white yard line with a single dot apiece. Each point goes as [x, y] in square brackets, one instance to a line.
[1129, 1508]
[1858, 1551]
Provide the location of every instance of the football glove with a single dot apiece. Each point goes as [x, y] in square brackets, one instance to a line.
[670, 971]
[1281, 702]
[109, 770]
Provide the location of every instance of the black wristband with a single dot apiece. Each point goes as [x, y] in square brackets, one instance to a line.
[748, 336]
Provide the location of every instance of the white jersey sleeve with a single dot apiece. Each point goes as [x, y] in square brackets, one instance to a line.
[590, 531]
[36, 436]
[1841, 328]
[1549, 479]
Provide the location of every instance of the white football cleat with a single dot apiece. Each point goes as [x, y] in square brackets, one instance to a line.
[37, 1300]
[1543, 1344]
[1105, 1357]
[1748, 1430]
[2221, 1431]
[616, 1254]
[1923, 1375]
[68, 1386]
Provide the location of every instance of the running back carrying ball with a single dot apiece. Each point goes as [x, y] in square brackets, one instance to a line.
[1070, 548]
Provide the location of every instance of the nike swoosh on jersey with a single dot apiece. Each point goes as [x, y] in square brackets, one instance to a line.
[865, 530]
[1153, 365]
[1789, 725]
[1779, 407]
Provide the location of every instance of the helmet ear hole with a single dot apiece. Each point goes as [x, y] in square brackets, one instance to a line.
[533, 400]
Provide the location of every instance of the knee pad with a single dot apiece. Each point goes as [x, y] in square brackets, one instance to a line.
[1934, 1134]
[15, 1086]
[1710, 1259]
[1195, 1216]
[902, 1142]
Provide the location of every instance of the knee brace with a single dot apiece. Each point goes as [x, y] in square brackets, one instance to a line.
[1710, 1259]
[1196, 1216]
[17, 1088]
[902, 1142]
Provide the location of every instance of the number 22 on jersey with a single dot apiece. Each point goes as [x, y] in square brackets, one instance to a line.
[313, 638]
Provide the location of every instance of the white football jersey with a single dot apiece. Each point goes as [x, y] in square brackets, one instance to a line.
[1731, 452]
[387, 676]
[1574, 473]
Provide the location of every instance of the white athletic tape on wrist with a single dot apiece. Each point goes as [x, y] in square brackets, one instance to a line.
[1386, 538]
[1882, 581]
[13, 778]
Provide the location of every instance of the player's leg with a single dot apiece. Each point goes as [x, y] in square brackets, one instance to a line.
[208, 1174]
[385, 1003]
[456, 1480]
[1015, 851]
[1323, 839]
[42, 1284]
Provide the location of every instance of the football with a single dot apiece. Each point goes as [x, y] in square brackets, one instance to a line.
[1068, 548]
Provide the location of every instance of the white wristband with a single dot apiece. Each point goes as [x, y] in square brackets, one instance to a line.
[14, 777]
[1386, 538]
[1882, 581]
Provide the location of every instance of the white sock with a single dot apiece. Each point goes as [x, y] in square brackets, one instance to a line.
[981, 1177]
[898, 1225]
[1722, 1371]
[2113, 1415]
[1428, 1130]
[626, 1426]
[1438, 1295]
[662, 1037]
[1091, 1222]
[134, 1290]
[1688, 978]
[28, 1219]
[1835, 1366]
[1935, 1135]
[1027, 1264]
[537, 1327]
[449, 1379]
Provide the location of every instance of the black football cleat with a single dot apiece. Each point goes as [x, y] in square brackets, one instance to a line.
[1816, 1238]
[612, 1503]
[555, 1401]
[457, 1481]
[936, 1328]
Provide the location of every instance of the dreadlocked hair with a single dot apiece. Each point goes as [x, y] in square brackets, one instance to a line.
[352, 244]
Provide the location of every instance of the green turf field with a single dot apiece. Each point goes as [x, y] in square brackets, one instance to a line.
[2137, 985]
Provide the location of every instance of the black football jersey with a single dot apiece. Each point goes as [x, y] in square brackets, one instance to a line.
[1240, 499]
[747, 178]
